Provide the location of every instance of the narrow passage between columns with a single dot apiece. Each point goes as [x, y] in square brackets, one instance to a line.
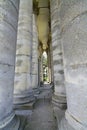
[42, 117]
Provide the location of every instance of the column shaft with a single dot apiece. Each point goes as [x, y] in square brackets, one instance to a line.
[51, 56]
[23, 90]
[35, 55]
[41, 69]
[74, 39]
[59, 98]
[49, 66]
[8, 34]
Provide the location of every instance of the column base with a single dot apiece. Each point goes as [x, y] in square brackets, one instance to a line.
[23, 100]
[74, 122]
[64, 125]
[4, 122]
[18, 123]
[58, 114]
[59, 101]
[36, 90]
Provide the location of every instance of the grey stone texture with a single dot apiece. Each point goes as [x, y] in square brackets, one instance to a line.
[41, 69]
[73, 19]
[42, 117]
[69, 45]
[59, 97]
[18, 123]
[49, 65]
[22, 87]
[8, 34]
[35, 54]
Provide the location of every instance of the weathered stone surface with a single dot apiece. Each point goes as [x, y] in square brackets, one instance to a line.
[24, 84]
[77, 97]
[34, 80]
[59, 86]
[23, 46]
[49, 65]
[76, 45]
[64, 125]
[42, 117]
[34, 71]
[41, 69]
[6, 83]
[8, 33]
[18, 123]
[22, 64]
[7, 24]
[22, 89]
[73, 17]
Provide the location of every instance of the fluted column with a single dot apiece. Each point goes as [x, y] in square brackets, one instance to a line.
[59, 98]
[8, 34]
[23, 91]
[35, 55]
[74, 39]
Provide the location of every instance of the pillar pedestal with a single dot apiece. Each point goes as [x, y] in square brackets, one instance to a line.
[23, 98]
[59, 101]
[17, 123]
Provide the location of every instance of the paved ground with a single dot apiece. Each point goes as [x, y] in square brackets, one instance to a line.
[42, 117]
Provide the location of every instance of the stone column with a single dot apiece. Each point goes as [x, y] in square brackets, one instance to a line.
[8, 36]
[51, 57]
[49, 66]
[74, 39]
[35, 55]
[23, 91]
[40, 64]
[41, 69]
[59, 98]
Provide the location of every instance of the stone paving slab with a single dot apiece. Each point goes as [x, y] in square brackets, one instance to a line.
[42, 117]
